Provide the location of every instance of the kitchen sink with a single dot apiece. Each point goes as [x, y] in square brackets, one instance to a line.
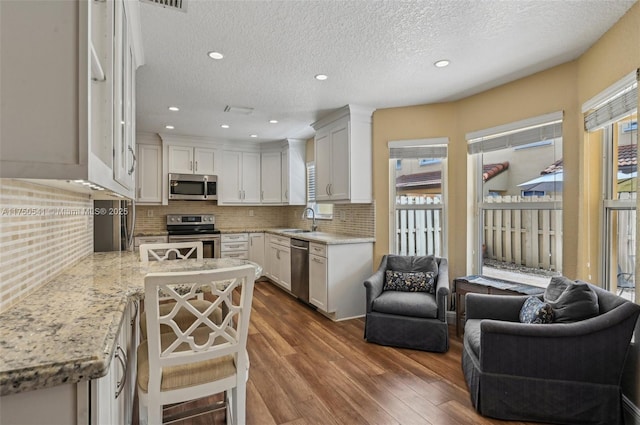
[296, 231]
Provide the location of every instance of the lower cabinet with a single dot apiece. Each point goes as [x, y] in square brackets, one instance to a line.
[112, 395]
[278, 260]
[256, 249]
[235, 245]
[336, 276]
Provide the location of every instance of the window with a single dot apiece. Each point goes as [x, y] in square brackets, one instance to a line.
[417, 198]
[322, 211]
[612, 124]
[519, 199]
[398, 164]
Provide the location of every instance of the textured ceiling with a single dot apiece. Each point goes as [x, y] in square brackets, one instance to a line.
[377, 54]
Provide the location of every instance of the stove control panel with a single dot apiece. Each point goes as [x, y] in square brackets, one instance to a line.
[190, 219]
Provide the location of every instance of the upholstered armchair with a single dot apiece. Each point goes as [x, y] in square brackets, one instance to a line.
[407, 319]
[565, 373]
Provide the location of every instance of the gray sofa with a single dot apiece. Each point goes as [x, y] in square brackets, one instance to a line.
[414, 320]
[565, 373]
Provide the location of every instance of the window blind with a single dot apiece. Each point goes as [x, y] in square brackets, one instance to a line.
[433, 151]
[311, 183]
[537, 129]
[612, 110]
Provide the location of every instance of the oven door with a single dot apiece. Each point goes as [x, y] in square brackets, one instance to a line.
[210, 243]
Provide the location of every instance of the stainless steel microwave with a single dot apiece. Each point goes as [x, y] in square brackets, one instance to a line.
[194, 187]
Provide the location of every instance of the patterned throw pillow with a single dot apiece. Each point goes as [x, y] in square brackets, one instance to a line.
[410, 281]
[535, 311]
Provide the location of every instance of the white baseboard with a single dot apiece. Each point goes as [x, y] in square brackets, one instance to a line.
[631, 410]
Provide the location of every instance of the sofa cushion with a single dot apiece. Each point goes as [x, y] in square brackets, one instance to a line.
[416, 304]
[418, 263]
[472, 335]
[409, 281]
[571, 301]
[536, 311]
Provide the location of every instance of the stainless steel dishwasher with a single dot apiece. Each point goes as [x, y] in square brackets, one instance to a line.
[300, 269]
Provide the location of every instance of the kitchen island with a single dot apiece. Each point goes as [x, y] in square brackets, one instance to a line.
[66, 332]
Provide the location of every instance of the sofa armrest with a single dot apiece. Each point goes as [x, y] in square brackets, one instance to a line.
[496, 307]
[592, 350]
[374, 284]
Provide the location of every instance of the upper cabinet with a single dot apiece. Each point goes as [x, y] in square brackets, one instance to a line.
[270, 178]
[239, 182]
[294, 172]
[68, 105]
[190, 160]
[343, 156]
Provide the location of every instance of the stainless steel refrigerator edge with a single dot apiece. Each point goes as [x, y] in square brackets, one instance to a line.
[113, 225]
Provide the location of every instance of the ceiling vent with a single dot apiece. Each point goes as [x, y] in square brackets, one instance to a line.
[238, 110]
[180, 5]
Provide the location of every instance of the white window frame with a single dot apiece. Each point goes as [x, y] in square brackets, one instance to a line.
[418, 149]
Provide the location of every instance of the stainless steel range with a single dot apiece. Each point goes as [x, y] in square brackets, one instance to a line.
[190, 228]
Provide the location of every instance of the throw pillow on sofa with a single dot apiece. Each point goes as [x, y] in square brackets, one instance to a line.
[571, 301]
[409, 281]
[536, 311]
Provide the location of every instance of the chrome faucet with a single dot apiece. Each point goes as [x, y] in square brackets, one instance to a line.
[314, 227]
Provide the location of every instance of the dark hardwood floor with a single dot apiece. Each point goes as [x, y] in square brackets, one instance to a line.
[307, 369]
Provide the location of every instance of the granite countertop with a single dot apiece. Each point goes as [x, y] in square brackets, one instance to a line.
[322, 237]
[65, 332]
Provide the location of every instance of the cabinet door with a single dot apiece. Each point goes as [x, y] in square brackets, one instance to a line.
[123, 91]
[318, 281]
[149, 174]
[204, 161]
[181, 159]
[284, 266]
[229, 183]
[256, 249]
[271, 262]
[271, 174]
[323, 166]
[339, 189]
[251, 177]
[284, 176]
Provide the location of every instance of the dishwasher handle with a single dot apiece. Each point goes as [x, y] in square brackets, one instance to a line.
[301, 248]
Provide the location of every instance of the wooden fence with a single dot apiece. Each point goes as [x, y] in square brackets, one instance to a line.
[527, 235]
[419, 225]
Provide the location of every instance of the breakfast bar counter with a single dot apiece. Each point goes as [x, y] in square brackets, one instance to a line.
[65, 332]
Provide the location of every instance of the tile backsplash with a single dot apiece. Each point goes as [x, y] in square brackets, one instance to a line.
[354, 219]
[42, 231]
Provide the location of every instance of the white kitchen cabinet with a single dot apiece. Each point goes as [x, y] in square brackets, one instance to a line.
[336, 273]
[294, 173]
[256, 249]
[61, 121]
[191, 160]
[270, 177]
[234, 245]
[318, 281]
[149, 174]
[279, 260]
[343, 156]
[112, 395]
[239, 182]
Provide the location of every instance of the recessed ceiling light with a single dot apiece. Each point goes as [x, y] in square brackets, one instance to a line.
[254, 135]
[441, 63]
[320, 77]
[225, 126]
[174, 108]
[169, 127]
[273, 121]
[215, 55]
